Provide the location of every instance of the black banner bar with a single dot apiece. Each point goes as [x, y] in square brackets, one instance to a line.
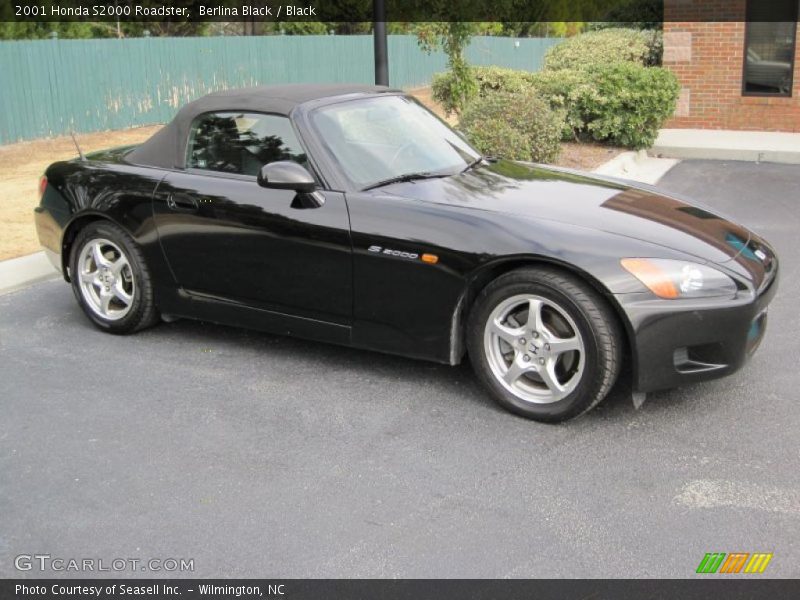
[362, 11]
[730, 588]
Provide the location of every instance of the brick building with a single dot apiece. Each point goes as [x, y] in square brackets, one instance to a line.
[738, 63]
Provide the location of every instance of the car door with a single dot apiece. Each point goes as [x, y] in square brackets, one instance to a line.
[407, 283]
[228, 239]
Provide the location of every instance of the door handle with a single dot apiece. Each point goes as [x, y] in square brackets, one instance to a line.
[181, 203]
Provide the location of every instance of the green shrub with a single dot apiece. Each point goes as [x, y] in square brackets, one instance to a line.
[446, 91]
[442, 91]
[489, 79]
[497, 79]
[601, 47]
[655, 47]
[601, 97]
[624, 104]
[518, 126]
[560, 89]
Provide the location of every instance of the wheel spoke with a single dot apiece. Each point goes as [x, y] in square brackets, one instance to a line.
[506, 333]
[97, 255]
[118, 265]
[535, 322]
[105, 300]
[561, 345]
[515, 371]
[548, 375]
[121, 294]
[91, 278]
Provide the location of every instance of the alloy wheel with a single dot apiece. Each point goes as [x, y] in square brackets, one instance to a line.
[534, 348]
[106, 279]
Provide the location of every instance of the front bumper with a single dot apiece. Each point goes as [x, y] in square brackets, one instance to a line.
[676, 342]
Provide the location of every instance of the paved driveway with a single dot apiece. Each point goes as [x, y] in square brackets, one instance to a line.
[259, 455]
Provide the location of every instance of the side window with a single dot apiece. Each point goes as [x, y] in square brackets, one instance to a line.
[236, 142]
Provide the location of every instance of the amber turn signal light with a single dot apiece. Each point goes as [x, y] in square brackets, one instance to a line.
[431, 259]
[652, 276]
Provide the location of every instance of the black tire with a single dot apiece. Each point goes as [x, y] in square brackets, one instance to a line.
[591, 315]
[142, 311]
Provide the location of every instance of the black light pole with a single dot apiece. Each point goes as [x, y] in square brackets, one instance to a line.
[379, 37]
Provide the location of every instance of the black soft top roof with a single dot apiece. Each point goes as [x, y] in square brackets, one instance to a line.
[166, 149]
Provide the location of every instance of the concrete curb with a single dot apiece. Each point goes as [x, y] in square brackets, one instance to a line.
[751, 146]
[637, 166]
[19, 273]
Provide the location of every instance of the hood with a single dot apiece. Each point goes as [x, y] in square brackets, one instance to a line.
[614, 206]
[617, 207]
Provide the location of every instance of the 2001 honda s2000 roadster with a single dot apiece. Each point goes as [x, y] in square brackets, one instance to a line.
[352, 215]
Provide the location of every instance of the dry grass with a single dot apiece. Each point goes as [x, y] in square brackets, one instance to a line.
[22, 164]
[423, 94]
[586, 156]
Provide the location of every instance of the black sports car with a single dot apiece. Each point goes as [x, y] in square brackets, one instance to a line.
[352, 215]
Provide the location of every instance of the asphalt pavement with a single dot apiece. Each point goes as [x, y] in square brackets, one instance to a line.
[256, 455]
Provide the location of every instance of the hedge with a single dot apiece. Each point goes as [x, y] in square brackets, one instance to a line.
[513, 125]
[488, 79]
[625, 104]
[596, 83]
[643, 47]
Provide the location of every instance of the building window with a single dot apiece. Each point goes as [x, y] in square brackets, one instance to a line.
[769, 55]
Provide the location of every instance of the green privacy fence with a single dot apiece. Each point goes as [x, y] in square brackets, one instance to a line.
[50, 87]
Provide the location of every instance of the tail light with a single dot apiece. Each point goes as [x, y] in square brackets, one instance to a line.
[42, 186]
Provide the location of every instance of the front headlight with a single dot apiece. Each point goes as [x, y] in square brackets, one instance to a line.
[679, 279]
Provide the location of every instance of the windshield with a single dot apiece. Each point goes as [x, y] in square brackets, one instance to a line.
[380, 139]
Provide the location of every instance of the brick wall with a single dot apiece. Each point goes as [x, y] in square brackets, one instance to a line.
[708, 58]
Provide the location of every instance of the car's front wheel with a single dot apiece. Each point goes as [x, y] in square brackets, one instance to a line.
[110, 279]
[545, 344]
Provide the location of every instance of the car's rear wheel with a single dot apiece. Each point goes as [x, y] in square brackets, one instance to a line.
[110, 279]
[545, 344]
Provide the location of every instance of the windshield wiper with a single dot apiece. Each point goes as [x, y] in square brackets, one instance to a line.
[406, 177]
[473, 164]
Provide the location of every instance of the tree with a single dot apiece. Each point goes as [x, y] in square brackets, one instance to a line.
[542, 28]
[39, 30]
[82, 29]
[452, 37]
[637, 14]
[303, 28]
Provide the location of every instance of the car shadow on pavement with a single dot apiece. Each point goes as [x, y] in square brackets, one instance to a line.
[444, 380]
[234, 354]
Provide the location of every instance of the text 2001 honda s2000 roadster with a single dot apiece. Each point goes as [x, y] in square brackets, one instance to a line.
[352, 215]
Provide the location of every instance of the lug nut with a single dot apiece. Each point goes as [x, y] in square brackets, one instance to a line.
[526, 358]
[541, 361]
[522, 341]
[547, 347]
[535, 334]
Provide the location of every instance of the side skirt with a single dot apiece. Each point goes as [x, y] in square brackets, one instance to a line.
[193, 305]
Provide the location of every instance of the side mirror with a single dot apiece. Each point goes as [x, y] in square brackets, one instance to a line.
[286, 175]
